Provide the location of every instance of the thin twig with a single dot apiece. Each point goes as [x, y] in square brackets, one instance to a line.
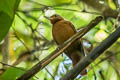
[20, 39]
[101, 74]
[13, 66]
[65, 9]
[49, 73]
[55, 7]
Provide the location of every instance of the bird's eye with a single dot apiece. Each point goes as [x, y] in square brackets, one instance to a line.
[55, 15]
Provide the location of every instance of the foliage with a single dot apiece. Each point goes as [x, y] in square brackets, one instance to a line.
[31, 39]
[12, 74]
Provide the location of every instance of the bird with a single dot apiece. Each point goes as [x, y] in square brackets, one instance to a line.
[62, 30]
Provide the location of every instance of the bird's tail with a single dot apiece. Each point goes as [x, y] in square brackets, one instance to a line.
[75, 59]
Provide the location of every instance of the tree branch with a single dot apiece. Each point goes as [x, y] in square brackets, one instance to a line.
[105, 10]
[92, 55]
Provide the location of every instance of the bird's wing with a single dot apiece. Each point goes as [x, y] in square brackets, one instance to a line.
[72, 26]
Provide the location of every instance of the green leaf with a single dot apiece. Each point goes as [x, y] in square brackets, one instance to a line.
[7, 12]
[11, 74]
[5, 22]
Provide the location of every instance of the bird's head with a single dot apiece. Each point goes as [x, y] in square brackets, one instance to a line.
[55, 18]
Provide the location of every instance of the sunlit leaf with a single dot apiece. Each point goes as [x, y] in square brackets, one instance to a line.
[100, 36]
